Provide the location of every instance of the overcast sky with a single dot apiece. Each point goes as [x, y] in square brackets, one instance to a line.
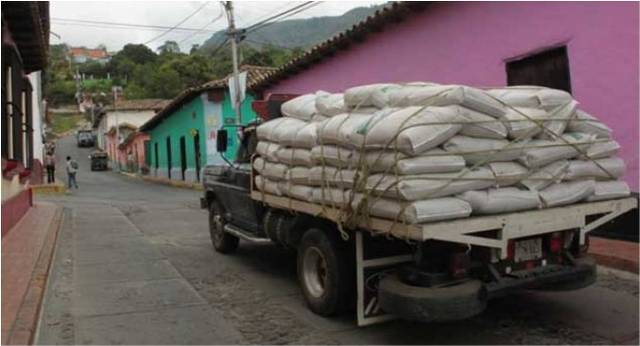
[168, 13]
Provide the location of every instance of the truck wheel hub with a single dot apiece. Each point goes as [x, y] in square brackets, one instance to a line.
[315, 271]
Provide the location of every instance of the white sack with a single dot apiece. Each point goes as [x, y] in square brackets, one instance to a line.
[270, 170]
[603, 149]
[444, 95]
[554, 128]
[429, 210]
[302, 107]
[299, 175]
[362, 96]
[334, 156]
[432, 161]
[274, 129]
[546, 175]
[587, 123]
[295, 156]
[484, 150]
[505, 200]
[508, 173]
[609, 190]
[602, 169]
[423, 186]
[520, 121]
[301, 192]
[267, 186]
[415, 130]
[307, 136]
[567, 193]
[531, 96]
[480, 125]
[331, 197]
[268, 150]
[541, 152]
[331, 177]
[330, 104]
[337, 129]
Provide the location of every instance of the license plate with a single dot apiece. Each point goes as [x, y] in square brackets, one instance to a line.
[527, 250]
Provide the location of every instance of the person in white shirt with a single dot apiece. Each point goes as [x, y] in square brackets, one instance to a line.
[72, 169]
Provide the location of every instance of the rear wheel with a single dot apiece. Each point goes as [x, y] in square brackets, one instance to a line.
[324, 273]
[222, 241]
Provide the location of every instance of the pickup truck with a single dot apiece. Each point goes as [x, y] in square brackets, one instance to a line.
[439, 271]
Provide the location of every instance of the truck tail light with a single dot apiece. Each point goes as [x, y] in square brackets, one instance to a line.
[556, 242]
[459, 265]
[511, 249]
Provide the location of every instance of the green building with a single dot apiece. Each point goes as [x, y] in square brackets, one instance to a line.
[182, 136]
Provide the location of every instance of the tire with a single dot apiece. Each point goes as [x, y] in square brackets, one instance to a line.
[432, 304]
[325, 272]
[222, 241]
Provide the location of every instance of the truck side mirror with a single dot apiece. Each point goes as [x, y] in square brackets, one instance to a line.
[221, 141]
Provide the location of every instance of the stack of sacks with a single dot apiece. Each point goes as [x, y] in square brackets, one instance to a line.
[422, 152]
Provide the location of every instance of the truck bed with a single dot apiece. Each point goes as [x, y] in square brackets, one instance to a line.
[510, 225]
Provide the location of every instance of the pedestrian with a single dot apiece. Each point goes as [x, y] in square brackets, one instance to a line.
[72, 169]
[50, 164]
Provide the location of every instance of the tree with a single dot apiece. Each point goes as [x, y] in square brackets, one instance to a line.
[169, 47]
[137, 53]
[194, 48]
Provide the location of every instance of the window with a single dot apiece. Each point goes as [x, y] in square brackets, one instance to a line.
[549, 68]
[9, 111]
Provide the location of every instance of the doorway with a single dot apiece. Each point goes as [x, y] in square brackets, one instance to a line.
[196, 149]
[183, 157]
[156, 156]
[169, 157]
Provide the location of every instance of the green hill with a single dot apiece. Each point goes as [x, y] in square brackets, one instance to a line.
[296, 33]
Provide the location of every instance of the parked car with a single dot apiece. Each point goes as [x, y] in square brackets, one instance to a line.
[99, 161]
[438, 271]
[85, 138]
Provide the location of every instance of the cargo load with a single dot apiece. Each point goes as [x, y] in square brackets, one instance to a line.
[422, 152]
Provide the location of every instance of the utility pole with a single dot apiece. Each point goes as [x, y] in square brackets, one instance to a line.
[234, 35]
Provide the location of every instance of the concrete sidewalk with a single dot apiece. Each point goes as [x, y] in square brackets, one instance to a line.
[26, 256]
[618, 254]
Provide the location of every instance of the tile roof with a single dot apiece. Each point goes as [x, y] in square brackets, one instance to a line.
[88, 52]
[254, 73]
[28, 22]
[394, 12]
[138, 105]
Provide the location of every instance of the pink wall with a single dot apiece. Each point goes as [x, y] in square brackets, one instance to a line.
[136, 147]
[468, 43]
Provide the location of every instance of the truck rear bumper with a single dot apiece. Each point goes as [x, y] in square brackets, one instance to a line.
[554, 277]
[461, 301]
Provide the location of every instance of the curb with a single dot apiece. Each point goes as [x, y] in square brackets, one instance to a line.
[24, 326]
[165, 181]
[49, 189]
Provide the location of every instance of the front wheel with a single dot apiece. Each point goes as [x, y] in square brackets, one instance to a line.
[324, 273]
[222, 241]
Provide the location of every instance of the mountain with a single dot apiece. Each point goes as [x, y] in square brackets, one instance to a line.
[296, 33]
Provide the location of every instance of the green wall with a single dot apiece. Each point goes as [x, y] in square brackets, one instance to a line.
[180, 123]
[191, 116]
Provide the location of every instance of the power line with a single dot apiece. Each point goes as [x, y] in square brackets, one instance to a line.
[80, 22]
[280, 18]
[202, 29]
[275, 16]
[175, 26]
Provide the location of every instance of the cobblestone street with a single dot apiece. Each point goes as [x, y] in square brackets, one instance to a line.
[134, 265]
